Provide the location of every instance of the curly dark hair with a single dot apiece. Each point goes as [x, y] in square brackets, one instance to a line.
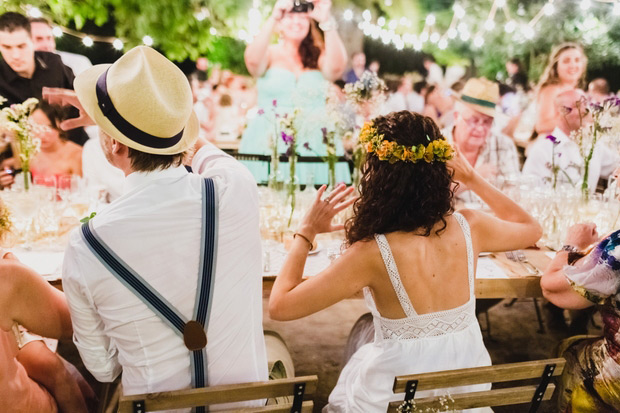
[56, 114]
[403, 196]
[311, 47]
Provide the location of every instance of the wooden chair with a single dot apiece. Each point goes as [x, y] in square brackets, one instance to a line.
[298, 387]
[520, 393]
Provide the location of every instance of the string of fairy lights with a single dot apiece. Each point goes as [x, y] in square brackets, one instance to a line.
[395, 31]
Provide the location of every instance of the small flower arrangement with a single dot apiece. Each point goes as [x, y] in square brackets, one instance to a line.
[438, 150]
[329, 140]
[605, 126]
[369, 88]
[553, 167]
[5, 220]
[288, 134]
[16, 118]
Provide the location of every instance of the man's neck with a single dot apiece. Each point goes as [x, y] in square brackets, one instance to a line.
[28, 73]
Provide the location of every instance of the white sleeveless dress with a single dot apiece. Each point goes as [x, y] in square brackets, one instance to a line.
[443, 340]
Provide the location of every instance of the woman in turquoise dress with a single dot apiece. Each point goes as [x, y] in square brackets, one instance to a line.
[294, 74]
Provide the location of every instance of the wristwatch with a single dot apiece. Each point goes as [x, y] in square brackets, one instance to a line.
[574, 254]
[328, 25]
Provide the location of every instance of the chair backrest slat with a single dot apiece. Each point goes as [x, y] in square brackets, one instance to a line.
[228, 393]
[479, 375]
[489, 398]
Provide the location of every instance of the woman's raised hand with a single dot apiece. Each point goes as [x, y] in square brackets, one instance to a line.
[280, 8]
[321, 11]
[463, 171]
[319, 218]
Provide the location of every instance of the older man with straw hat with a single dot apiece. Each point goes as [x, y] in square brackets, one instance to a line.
[492, 154]
[164, 283]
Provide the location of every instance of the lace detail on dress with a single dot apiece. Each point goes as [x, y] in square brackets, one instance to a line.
[390, 265]
[470, 250]
[429, 325]
[415, 326]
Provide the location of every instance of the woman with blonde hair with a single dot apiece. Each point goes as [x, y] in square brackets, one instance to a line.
[566, 70]
[293, 74]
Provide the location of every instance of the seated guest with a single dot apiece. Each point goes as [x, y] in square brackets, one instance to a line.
[358, 67]
[24, 72]
[58, 156]
[439, 106]
[411, 254]
[32, 378]
[598, 90]
[45, 41]
[492, 154]
[404, 98]
[160, 236]
[569, 106]
[591, 378]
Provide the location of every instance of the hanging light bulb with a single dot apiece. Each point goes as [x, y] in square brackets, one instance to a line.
[34, 12]
[549, 9]
[521, 10]
[430, 19]
[57, 31]
[465, 36]
[510, 26]
[462, 27]
[489, 25]
[585, 4]
[88, 42]
[213, 31]
[381, 21]
[452, 33]
[418, 45]
[459, 11]
[500, 3]
[478, 41]
[117, 44]
[366, 15]
[435, 37]
[393, 24]
[348, 15]
[147, 40]
[616, 9]
[443, 44]
[528, 32]
[388, 3]
[424, 37]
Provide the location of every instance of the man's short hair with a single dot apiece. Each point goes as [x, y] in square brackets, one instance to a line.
[600, 85]
[40, 20]
[148, 162]
[11, 21]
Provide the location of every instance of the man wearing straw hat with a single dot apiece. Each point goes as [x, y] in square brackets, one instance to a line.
[164, 284]
[492, 154]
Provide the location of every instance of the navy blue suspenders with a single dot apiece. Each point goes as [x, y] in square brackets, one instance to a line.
[192, 331]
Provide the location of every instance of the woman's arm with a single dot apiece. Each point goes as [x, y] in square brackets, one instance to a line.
[556, 287]
[257, 53]
[290, 297]
[547, 115]
[333, 60]
[27, 299]
[511, 227]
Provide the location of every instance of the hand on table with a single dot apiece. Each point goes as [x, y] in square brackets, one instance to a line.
[6, 178]
[319, 218]
[582, 235]
[63, 97]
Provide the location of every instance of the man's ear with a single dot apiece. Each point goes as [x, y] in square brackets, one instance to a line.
[119, 148]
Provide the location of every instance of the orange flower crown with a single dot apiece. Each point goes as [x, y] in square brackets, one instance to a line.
[436, 151]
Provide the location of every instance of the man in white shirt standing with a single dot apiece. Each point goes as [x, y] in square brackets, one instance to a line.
[44, 40]
[563, 152]
[157, 231]
[404, 98]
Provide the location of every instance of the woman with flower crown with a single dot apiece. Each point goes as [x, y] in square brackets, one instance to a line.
[411, 254]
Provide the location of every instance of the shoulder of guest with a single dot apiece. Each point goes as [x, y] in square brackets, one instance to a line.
[48, 58]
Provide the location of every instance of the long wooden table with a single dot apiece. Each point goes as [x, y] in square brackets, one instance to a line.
[496, 275]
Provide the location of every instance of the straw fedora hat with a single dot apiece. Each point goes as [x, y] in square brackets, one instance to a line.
[481, 95]
[142, 100]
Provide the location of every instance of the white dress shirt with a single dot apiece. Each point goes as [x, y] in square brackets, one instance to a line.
[569, 160]
[77, 62]
[398, 101]
[155, 227]
[96, 169]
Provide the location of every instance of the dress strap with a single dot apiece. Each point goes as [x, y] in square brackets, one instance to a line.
[470, 250]
[390, 265]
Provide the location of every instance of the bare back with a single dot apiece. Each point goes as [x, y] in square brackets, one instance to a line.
[433, 271]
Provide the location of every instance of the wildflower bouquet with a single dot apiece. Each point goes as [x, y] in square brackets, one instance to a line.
[605, 126]
[288, 134]
[15, 118]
